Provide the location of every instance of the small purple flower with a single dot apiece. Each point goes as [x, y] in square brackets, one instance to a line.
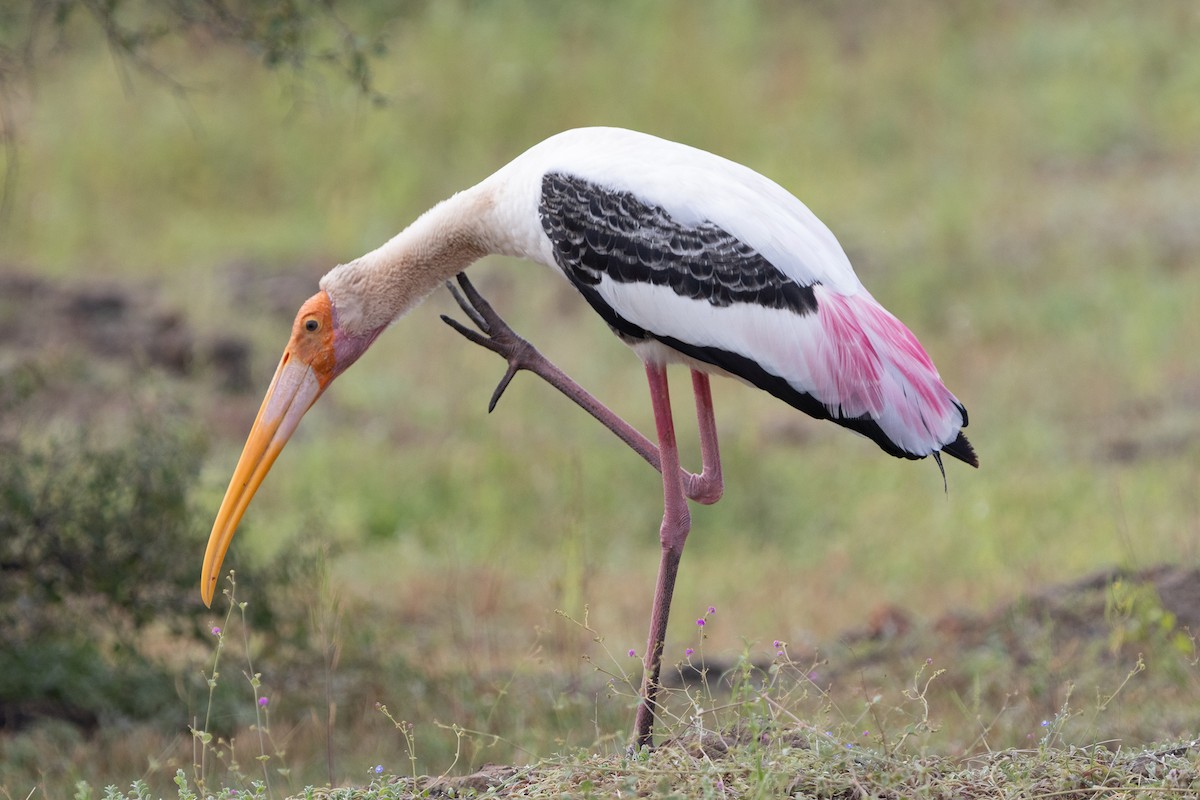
[712, 609]
[632, 653]
[688, 652]
[1045, 723]
[700, 622]
[263, 701]
[216, 631]
[778, 644]
[378, 770]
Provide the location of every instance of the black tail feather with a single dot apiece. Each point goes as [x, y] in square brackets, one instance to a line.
[961, 449]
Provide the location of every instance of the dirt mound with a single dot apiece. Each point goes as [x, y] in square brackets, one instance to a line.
[1105, 613]
[1165, 596]
[112, 321]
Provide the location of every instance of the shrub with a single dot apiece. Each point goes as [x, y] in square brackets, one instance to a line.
[94, 549]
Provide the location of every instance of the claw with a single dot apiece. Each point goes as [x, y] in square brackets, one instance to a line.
[468, 307]
[477, 301]
[500, 387]
[478, 339]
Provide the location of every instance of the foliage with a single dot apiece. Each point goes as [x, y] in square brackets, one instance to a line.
[291, 34]
[98, 599]
[103, 525]
[90, 538]
[1136, 615]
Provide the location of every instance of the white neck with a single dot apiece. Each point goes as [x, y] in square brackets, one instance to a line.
[376, 289]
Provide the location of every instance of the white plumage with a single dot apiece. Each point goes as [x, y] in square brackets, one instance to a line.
[693, 185]
[689, 258]
[868, 367]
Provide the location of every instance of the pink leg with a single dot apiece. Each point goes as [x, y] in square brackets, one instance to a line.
[678, 484]
[676, 523]
[707, 487]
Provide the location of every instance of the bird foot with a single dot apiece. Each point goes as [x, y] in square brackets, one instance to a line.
[493, 334]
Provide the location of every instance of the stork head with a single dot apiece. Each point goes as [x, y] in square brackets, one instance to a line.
[319, 350]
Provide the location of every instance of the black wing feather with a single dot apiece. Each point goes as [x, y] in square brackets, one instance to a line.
[600, 232]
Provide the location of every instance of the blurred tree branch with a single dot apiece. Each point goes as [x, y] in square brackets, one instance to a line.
[280, 33]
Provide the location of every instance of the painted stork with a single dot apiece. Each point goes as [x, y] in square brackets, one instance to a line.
[689, 258]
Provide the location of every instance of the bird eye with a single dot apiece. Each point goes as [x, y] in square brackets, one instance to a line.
[312, 325]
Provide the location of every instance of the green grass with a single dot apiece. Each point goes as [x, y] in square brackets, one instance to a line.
[1015, 182]
[872, 714]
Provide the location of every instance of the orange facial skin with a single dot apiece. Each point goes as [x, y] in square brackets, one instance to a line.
[316, 354]
[312, 338]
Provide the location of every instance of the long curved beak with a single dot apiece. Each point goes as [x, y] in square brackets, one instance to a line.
[293, 391]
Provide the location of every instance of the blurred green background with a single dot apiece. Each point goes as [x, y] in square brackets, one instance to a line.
[1020, 183]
